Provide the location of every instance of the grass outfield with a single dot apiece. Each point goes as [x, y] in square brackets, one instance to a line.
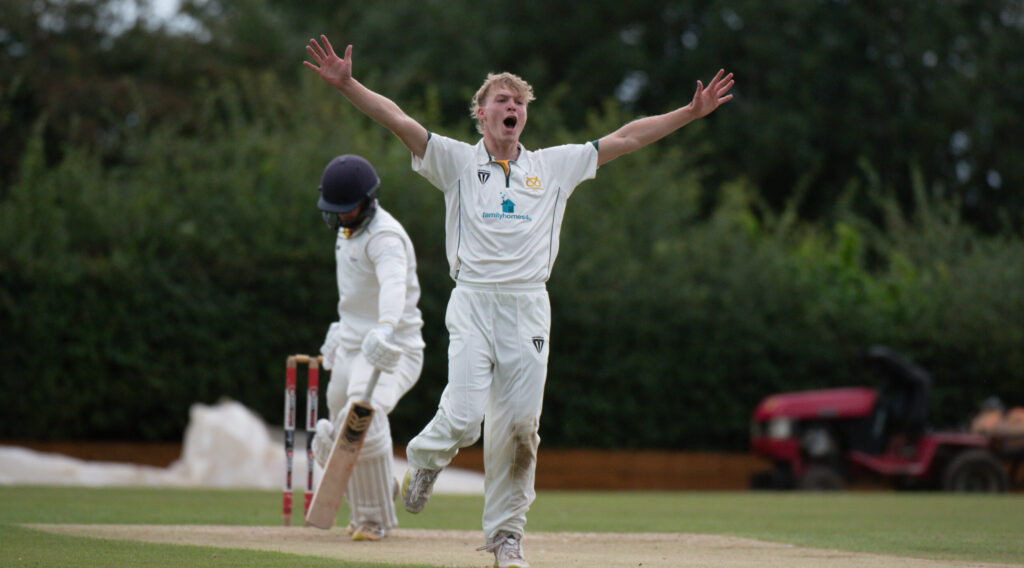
[922, 525]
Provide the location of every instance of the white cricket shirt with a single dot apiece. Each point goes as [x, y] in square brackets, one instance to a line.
[502, 219]
[376, 271]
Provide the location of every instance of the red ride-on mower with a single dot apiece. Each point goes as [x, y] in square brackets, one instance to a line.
[827, 439]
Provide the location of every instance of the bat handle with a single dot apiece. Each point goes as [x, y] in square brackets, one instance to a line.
[374, 376]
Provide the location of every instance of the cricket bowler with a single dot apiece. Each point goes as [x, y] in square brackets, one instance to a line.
[503, 212]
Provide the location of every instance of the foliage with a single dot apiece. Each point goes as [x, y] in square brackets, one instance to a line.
[820, 85]
[189, 273]
[161, 248]
[154, 284]
[658, 311]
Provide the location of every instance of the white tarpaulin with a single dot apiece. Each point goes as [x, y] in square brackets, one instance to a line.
[225, 446]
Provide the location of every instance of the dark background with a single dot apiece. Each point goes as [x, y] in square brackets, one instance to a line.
[161, 247]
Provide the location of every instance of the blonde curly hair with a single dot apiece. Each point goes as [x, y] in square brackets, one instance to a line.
[514, 82]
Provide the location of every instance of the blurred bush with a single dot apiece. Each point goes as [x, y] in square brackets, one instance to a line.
[188, 270]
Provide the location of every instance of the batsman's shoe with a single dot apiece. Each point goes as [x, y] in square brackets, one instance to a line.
[416, 488]
[370, 531]
[507, 549]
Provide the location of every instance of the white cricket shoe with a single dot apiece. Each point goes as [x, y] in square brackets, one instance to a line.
[507, 549]
[416, 488]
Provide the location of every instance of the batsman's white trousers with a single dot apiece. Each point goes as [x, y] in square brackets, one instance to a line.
[351, 373]
[369, 490]
[497, 366]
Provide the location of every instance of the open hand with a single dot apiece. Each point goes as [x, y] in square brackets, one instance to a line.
[707, 99]
[331, 68]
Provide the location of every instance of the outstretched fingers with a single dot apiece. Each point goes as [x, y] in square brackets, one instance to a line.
[317, 56]
[708, 98]
[720, 80]
[723, 91]
[721, 85]
[316, 51]
[327, 44]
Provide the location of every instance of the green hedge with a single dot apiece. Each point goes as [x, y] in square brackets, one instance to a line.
[188, 271]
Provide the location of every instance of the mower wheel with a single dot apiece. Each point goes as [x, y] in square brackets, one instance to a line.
[821, 478]
[975, 471]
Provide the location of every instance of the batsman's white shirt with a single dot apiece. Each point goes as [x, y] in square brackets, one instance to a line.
[376, 271]
[502, 220]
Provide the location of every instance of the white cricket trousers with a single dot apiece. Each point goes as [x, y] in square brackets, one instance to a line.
[370, 487]
[497, 366]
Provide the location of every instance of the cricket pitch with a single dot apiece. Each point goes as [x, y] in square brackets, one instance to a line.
[551, 549]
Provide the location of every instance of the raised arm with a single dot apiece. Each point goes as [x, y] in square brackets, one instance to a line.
[337, 72]
[643, 131]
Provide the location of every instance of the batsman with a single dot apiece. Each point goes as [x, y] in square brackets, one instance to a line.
[379, 326]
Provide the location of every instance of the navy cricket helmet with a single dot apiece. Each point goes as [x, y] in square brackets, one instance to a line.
[348, 181]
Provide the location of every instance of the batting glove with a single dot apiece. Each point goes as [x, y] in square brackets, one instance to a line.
[323, 441]
[380, 349]
[330, 346]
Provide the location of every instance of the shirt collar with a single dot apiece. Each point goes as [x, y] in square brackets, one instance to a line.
[484, 157]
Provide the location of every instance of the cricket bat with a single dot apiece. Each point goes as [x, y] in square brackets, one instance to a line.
[328, 495]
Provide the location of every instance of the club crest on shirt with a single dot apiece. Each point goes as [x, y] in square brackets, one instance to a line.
[351, 254]
[538, 343]
[533, 183]
[483, 176]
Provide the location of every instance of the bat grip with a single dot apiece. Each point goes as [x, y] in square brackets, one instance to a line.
[374, 376]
